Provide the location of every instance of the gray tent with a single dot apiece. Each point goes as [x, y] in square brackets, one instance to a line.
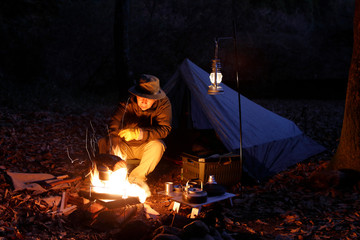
[271, 143]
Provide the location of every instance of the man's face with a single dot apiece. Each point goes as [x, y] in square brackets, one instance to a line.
[144, 103]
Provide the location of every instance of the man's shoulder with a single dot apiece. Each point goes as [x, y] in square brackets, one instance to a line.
[165, 100]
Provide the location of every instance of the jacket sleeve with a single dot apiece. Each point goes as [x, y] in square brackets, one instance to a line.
[161, 123]
[116, 120]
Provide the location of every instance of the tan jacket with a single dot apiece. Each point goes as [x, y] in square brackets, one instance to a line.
[154, 122]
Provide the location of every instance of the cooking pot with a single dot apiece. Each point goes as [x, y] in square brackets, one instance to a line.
[213, 188]
[104, 172]
[193, 194]
[106, 164]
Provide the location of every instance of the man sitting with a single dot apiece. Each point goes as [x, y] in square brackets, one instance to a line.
[138, 126]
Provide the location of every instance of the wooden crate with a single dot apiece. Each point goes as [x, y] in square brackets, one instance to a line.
[226, 168]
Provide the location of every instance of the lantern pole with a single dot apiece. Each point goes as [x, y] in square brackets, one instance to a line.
[239, 97]
[215, 89]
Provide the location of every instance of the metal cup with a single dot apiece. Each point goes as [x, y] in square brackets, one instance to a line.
[169, 187]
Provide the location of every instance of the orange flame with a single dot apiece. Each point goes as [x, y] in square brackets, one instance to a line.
[116, 151]
[118, 183]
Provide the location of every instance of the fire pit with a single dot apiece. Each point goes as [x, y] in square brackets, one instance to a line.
[109, 182]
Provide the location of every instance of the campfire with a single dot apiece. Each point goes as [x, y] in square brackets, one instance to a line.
[114, 183]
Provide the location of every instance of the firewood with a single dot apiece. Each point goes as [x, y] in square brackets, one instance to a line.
[68, 210]
[125, 214]
[75, 199]
[95, 208]
[63, 202]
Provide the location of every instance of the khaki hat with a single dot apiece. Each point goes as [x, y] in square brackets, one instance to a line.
[148, 86]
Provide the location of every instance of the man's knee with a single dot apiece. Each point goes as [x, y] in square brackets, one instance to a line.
[157, 145]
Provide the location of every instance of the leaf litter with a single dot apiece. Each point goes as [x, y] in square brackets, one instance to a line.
[286, 206]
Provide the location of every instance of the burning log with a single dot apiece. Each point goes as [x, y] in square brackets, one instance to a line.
[119, 203]
[109, 200]
[92, 195]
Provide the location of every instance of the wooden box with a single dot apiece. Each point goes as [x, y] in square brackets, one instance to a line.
[226, 168]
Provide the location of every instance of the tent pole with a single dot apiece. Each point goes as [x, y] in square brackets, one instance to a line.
[239, 98]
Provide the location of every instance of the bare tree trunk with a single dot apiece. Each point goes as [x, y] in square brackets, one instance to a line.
[121, 45]
[347, 155]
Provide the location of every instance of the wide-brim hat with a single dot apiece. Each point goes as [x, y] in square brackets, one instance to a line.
[148, 86]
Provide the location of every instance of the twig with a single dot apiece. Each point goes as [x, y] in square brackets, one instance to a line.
[108, 131]
[87, 150]
[92, 140]
[72, 160]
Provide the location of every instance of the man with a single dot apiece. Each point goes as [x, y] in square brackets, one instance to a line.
[138, 126]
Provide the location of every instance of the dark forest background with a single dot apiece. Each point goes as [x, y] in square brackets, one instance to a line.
[58, 52]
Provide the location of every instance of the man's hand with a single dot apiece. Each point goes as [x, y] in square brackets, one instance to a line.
[130, 134]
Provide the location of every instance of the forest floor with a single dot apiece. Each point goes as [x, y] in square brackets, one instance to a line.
[287, 206]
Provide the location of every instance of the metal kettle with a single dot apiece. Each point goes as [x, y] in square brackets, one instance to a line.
[194, 194]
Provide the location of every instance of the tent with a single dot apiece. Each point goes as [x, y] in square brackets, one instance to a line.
[270, 143]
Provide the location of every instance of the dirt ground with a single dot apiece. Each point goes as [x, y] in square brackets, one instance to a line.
[289, 205]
